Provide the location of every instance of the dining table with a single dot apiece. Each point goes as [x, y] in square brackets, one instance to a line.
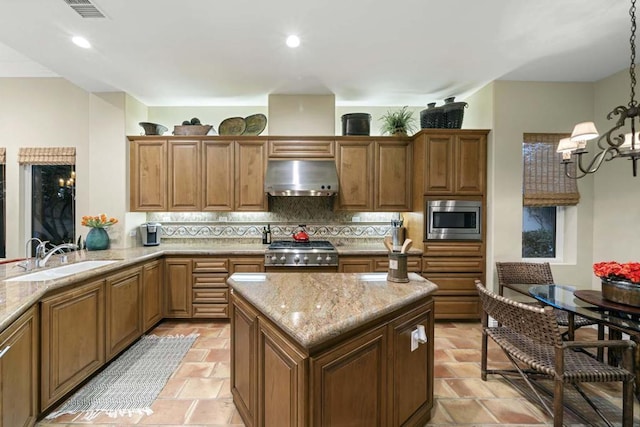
[618, 318]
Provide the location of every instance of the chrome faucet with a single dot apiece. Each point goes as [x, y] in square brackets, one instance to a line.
[27, 262]
[47, 254]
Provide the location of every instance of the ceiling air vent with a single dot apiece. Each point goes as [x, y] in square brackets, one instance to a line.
[85, 8]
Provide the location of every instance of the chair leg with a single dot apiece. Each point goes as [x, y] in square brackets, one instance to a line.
[558, 402]
[627, 404]
[483, 357]
[571, 332]
[600, 350]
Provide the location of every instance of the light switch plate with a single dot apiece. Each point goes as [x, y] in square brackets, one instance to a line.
[415, 336]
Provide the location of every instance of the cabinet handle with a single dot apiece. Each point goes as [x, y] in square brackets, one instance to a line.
[2, 353]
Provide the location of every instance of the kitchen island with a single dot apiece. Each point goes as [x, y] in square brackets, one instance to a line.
[329, 349]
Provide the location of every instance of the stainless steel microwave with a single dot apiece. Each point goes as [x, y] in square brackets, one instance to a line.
[453, 220]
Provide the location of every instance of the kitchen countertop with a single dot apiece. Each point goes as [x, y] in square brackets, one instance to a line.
[315, 307]
[17, 297]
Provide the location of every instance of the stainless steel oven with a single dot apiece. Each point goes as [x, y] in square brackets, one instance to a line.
[285, 255]
[453, 220]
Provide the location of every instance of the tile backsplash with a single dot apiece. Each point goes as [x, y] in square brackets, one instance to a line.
[284, 216]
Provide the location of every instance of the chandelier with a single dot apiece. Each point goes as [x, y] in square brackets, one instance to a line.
[615, 143]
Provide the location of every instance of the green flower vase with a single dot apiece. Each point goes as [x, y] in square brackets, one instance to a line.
[97, 239]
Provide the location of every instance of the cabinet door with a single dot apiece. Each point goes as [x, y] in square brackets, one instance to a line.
[250, 162]
[124, 310]
[244, 336]
[19, 371]
[217, 176]
[148, 169]
[439, 165]
[151, 294]
[184, 176]
[177, 295]
[301, 148]
[393, 171]
[412, 370]
[350, 382]
[281, 379]
[470, 164]
[72, 340]
[246, 265]
[355, 264]
[354, 161]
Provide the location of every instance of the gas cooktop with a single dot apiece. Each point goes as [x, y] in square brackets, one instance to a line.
[291, 244]
[289, 253]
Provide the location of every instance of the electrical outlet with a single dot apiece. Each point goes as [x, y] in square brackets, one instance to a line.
[223, 219]
[415, 338]
[133, 232]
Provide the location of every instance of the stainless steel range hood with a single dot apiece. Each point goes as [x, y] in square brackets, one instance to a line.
[301, 178]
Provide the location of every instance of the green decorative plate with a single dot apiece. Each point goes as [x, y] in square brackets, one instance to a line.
[255, 124]
[232, 126]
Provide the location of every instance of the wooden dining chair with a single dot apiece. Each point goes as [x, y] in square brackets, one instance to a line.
[531, 339]
[539, 273]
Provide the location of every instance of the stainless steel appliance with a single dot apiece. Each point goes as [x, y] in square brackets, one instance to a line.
[453, 219]
[301, 178]
[150, 233]
[286, 253]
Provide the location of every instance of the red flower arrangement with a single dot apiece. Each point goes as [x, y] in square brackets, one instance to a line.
[612, 270]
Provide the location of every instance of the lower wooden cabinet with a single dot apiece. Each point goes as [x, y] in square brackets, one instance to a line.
[244, 336]
[152, 292]
[19, 371]
[72, 339]
[367, 264]
[177, 287]
[124, 310]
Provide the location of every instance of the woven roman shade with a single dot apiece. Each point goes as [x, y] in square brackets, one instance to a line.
[3, 156]
[47, 156]
[544, 180]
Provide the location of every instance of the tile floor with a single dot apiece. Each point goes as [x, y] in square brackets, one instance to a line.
[198, 392]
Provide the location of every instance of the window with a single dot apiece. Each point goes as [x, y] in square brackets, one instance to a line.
[50, 193]
[547, 194]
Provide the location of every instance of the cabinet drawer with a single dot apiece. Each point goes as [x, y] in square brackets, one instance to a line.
[451, 249]
[452, 265]
[454, 284]
[210, 265]
[211, 295]
[210, 280]
[297, 148]
[451, 307]
[414, 264]
[209, 311]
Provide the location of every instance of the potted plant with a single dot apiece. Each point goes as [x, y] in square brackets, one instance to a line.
[400, 122]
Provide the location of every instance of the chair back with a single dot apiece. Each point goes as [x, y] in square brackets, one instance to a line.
[536, 323]
[533, 273]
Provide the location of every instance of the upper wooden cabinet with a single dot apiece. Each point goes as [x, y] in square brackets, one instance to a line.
[301, 147]
[455, 162]
[148, 175]
[205, 174]
[375, 175]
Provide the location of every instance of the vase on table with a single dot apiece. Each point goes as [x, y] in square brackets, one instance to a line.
[621, 291]
[97, 239]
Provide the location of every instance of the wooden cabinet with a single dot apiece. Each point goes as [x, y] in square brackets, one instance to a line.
[210, 290]
[124, 310]
[148, 175]
[248, 264]
[250, 166]
[152, 292]
[177, 287]
[217, 175]
[72, 339]
[184, 175]
[284, 147]
[367, 263]
[369, 378]
[19, 357]
[455, 163]
[244, 336]
[393, 175]
[354, 161]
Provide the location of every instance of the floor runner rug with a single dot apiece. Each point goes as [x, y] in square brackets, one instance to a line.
[131, 383]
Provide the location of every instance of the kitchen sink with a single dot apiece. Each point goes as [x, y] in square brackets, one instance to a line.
[62, 271]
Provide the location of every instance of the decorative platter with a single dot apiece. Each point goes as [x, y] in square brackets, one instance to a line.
[255, 124]
[232, 126]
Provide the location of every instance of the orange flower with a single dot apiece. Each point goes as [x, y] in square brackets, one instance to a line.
[613, 270]
[98, 221]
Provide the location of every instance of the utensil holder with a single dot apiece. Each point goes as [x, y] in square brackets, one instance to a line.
[397, 268]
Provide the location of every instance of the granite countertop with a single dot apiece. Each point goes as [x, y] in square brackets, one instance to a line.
[17, 297]
[313, 308]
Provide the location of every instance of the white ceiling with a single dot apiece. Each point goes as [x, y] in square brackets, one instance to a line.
[366, 52]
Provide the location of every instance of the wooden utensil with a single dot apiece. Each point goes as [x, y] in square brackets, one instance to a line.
[406, 245]
[388, 244]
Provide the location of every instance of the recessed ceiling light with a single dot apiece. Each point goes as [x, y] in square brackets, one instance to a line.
[81, 41]
[293, 41]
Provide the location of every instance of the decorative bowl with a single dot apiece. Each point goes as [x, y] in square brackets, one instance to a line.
[153, 128]
[191, 129]
[622, 292]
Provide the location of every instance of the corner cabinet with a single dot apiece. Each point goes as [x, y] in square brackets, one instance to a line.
[375, 175]
[197, 174]
[19, 354]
